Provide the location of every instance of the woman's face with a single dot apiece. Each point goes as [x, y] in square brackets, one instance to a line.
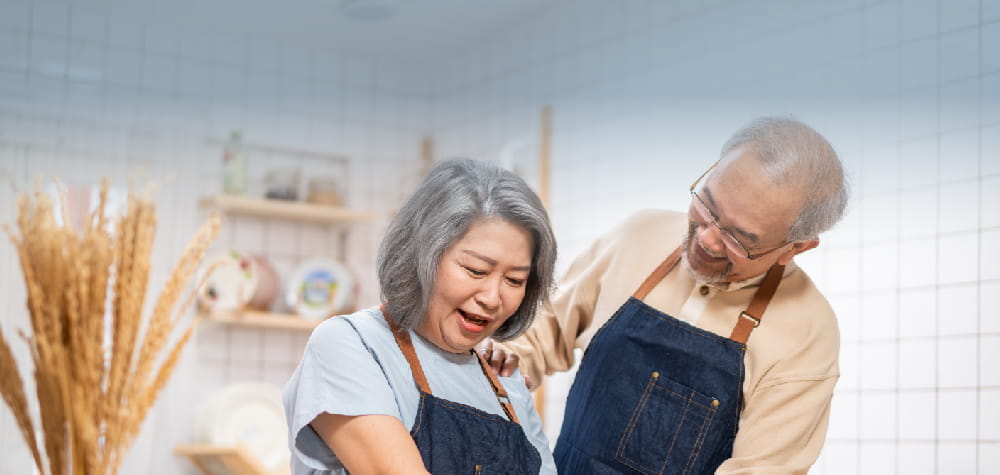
[480, 283]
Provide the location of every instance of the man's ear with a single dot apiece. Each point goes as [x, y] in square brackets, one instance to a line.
[796, 249]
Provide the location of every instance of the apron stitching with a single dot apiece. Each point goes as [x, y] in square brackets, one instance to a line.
[635, 417]
[420, 415]
[700, 441]
[535, 452]
[406, 347]
[651, 385]
[465, 409]
[696, 403]
[673, 441]
[679, 425]
[729, 343]
[606, 324]
[739, 393]
[631, 464]
[689, 329]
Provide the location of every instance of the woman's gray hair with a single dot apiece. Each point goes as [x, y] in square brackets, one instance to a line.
[796, 157]
[455, 194]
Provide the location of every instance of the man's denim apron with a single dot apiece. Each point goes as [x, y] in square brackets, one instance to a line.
[455, 438]
[654, 394]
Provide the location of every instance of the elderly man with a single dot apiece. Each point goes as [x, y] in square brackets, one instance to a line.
[724, 363]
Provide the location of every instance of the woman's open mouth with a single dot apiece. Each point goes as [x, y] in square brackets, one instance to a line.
[471, 322]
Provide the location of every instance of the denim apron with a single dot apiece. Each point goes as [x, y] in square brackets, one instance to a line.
[454, 438]
[654, 394]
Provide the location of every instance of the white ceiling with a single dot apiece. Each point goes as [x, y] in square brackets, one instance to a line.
[418, 29]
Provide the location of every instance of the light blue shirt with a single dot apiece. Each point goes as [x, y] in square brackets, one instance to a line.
[352, 366]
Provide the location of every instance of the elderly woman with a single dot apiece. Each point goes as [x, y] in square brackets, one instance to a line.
[400, 389]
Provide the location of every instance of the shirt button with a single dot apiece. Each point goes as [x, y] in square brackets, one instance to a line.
[704, 290]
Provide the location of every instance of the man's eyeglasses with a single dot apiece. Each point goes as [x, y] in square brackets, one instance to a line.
[706, 216]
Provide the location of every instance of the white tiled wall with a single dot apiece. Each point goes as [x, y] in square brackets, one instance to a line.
[644, 94]
[85, 94]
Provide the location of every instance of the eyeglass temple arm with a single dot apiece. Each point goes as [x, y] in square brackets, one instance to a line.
[693, 185]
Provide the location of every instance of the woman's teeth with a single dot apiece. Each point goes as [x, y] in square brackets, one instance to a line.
[476, 320]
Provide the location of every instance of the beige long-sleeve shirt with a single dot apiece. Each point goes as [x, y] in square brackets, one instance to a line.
[791, 359]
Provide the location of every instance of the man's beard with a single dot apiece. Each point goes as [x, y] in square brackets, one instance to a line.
[712, 278]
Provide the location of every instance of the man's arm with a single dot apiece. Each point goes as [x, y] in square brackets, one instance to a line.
[548, 345]
[783, 427]
[603, 275]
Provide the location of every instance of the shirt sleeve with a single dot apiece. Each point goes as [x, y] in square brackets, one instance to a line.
[784, 424]
[531, 422]
[547, 346]
[783, 428]
[338, 374]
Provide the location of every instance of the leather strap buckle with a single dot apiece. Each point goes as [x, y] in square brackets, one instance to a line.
[756, 321]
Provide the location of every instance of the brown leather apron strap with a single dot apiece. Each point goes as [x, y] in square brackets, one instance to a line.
[498, 388]
[406, 345]
[750, 318]
[403, 340]
[658, 274]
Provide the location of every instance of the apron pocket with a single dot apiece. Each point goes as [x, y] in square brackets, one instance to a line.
[668, 427]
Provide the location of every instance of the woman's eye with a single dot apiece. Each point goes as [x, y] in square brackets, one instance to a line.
[515, 282]
[475, 272]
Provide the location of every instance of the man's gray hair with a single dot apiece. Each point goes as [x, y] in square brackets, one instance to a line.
[795, 156]
[454, 195]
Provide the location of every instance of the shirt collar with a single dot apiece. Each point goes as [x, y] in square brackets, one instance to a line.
[751, 282]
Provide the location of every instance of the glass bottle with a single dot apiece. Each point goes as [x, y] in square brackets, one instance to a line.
[234, 165]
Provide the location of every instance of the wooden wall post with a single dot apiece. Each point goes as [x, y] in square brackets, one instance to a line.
[543, 193]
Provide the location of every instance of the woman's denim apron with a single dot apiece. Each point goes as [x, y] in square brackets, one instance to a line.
[657, 395]
[455, 438]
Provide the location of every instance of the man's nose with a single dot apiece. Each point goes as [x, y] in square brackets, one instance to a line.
[710, 238]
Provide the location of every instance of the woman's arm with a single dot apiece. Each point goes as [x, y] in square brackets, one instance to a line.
[374, 444]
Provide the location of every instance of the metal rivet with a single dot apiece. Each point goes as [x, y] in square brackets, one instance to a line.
[715, 403]
[656, 374]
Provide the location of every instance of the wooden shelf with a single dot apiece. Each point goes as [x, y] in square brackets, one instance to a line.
[258, 319]
[283, 151]
[295, 210]
[236, 460]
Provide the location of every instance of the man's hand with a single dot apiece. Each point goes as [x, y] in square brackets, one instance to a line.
[501, 360]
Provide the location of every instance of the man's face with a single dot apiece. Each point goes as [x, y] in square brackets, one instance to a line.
[752, 215]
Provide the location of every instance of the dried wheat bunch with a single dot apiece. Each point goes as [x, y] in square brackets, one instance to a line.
[98, 364]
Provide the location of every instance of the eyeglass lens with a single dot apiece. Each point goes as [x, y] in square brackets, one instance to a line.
[727, 238]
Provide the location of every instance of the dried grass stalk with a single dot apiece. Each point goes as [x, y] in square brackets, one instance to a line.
[94, 354]
[12, 388]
